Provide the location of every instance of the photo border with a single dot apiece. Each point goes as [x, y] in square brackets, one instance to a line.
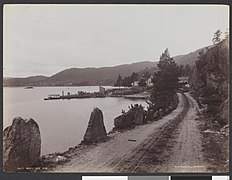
[77, 176]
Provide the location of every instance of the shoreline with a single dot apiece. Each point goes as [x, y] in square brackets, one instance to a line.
[123, 149]
[50, 161]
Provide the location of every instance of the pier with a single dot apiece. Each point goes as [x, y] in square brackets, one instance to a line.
[125, 92]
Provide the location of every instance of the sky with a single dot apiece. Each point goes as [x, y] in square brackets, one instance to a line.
[46, 39]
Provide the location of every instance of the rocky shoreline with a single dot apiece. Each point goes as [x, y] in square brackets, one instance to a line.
[135, 116]
[95, 134]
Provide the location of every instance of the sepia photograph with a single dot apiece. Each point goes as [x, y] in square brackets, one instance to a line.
[109, 88]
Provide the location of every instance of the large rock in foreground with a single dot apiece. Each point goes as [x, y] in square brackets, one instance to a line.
[96, 129]
[124, 121]
[139, 116]
[135, 116]
[21, 144]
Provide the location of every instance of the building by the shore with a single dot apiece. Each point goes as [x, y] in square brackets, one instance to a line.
[117, 90]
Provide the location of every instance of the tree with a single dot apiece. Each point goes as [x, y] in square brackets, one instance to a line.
[126, 82]
[200, 54]
[146, 75]
[217, 37]
[142, 83]
[119, 81]
[181, 70]
[167, 77]
[227, 35]
[187, 70]
[165, 82]
[134, 77]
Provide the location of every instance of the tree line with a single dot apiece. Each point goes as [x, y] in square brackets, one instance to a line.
[165, 80]
[129, 80]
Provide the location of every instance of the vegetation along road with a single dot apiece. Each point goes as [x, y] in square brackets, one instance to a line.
[171, 144]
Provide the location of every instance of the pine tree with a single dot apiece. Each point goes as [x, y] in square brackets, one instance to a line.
[146, 75]
[119, 81]
[187, 70]
[166, 79]
[134, 77]
[165, 82]
[217, 37]
[142, 83]
[126, 82]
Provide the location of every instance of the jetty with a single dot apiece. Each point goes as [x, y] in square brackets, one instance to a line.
[79, 95]
[124, 92]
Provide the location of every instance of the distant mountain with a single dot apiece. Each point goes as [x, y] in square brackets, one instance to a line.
[95, 76]
[189, 58]
[32, 80]
[81, 76]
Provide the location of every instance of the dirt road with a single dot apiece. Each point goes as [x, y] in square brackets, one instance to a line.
[171, 144]
[187, 152]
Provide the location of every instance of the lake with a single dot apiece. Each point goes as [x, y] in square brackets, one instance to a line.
[62, 122]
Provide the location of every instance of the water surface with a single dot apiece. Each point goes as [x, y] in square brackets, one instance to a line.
[62, 122]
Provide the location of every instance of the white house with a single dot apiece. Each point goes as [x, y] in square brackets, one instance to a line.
[149, 81]
[135, 83]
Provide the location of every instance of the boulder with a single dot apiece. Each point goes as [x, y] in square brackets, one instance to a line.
[156, 115]
[149, 115]
[21, 144]
[139, 116]
[96, 129]
[135, 116]
[145, 120]
[125, 120]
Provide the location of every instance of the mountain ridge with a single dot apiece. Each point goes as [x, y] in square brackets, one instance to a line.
[96, 76]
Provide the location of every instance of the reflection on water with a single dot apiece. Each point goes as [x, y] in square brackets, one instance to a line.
[62, 122]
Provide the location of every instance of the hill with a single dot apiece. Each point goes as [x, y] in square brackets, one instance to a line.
[189, 59]
[28, 81]
[95, 76]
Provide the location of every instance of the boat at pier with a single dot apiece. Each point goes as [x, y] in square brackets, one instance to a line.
[53, 97]
[80, 95]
